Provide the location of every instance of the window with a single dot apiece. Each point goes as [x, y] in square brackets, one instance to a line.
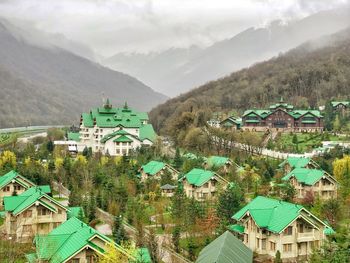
[75, 260]
[27, 213]
[17, 187]
[263, 244]
[43, 211]
[7, 189]
[27, 228]
[288, 231]
[257, 243]
[272, 246]
[246, 238]
[90, 259]
[287, 247]
[206, 185]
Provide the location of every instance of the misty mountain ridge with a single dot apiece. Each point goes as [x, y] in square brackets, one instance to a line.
[307, 76]
[50, 85]
[175, 71]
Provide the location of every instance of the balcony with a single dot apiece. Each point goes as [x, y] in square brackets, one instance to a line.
[306, 236]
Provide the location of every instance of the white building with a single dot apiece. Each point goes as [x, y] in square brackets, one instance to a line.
[116, 131]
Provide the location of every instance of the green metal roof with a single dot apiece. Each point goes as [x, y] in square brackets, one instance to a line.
[17, 204]
[114, 117]
[226, 249]
[296, 114]
[217, 161]
[13, 175]
[123, 138]
[66, 240]
[75, 211]
[336, 103]
[305, 176]
[142, 255]
[236, 228]
[147, 132]
[272, 214]
[45, 188]
[73, 136]
[296, 162]
[198, 177]
[153, 167]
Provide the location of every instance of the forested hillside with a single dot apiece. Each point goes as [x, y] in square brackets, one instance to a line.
[49, 85]
[307, 76]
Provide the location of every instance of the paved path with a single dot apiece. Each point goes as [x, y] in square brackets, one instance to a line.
[27, 138]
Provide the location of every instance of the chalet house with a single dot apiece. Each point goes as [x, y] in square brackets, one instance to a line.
[220, 163]
[116, 131]
[30, 213]
[282, 117]
[340, 105]
[75, 242]
[318, 182]
[202, 184]
[13, 183]
[291, 163]
[155, 169]
[168, 190]
[231, 123]
[226, 248]
[267, 225]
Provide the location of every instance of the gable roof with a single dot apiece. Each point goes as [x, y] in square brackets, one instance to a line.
[217, 161]
[66, 240]
[75, 211]
[13, 175]
[73, 136]
[296, 162]
[225, 249]
[336, 103]
[230, 121]
[198, 177]
[147, 132]
[168, 187]
[272, 214]
[306, 176]
[153, 167]
[17, 204]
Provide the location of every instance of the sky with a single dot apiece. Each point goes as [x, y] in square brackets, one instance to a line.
[112, 26]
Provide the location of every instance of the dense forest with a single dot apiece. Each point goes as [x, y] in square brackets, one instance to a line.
[307, 76]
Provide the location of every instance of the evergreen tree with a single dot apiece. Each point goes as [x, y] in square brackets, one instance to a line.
[278, 257]
[177, 159]
[176, 238]
[50, 146]
[119, 233]
[92, 207]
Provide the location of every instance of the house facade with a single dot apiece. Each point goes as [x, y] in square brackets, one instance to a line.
[268, 225]
[340, 106]
[202, 184]
[76, 242]
[291, 163]
[231, 123]
[30, 213]
[315, 181]
[116, 131]
[155, 169]
[282, 117]
[13, 183]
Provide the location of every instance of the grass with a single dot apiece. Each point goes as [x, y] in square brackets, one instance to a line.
[306, 141]
[11, 252]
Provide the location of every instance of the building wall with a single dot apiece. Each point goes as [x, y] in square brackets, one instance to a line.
[206, 191]
[325, 189]
[9, 190]
[157, 176]
[30, 222]
[299, 243]
[85, 256]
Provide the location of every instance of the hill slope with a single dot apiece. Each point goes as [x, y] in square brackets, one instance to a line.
[176, 71]
[50, 85]
[306, 76]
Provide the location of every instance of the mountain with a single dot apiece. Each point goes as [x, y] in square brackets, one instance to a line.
[176, 71]
[307, 76]
[45, 84]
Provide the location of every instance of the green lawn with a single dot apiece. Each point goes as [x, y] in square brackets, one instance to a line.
[306, 142]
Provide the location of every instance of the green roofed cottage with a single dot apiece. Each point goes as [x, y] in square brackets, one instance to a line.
[74, 241]
[202, 184]
[312, 181]
[155, 169]
[32, 212]
[116, 131]
[269, 225]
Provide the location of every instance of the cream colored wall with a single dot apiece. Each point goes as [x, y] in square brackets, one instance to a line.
[323, 191]
[15, 225]
[10, 192]
[199, 193]
[157, 176]
[82, 256]
[304, 239]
